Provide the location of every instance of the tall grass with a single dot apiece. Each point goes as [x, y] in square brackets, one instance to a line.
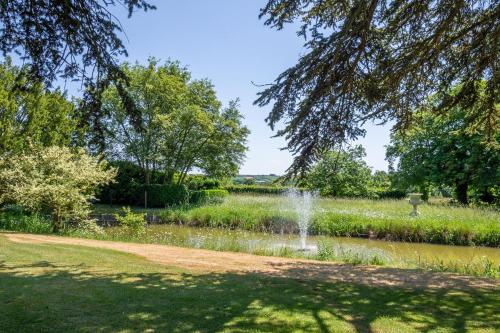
[18, 221]
[381, 219]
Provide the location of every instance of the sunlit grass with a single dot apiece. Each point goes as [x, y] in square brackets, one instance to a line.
[64, 288]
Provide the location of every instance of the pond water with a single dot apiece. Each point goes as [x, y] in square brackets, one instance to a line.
[265, 243]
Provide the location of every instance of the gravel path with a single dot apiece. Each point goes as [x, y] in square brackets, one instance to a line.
[215, 261]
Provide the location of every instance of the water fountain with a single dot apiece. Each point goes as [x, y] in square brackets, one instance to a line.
[302, 203]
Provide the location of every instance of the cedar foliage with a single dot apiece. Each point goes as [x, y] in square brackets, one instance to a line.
[378, 60]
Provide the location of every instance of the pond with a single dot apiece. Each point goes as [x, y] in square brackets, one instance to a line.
[396, 253]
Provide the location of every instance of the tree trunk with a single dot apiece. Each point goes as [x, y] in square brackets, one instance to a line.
[461, 192]
[147, 180]
[169, 177]
[56, 223]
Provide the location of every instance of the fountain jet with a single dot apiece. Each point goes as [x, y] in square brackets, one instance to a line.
[302, 202]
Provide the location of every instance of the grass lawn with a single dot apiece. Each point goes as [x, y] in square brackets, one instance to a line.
[388, 219]
[54, 288]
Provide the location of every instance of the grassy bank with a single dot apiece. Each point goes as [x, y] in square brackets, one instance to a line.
[56, 288]
[383, 219]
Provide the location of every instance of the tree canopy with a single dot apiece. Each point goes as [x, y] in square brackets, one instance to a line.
[379, 60]
[342, 173]
[440, 150]
[183, 125]
[70, 39]
[73, 39]
[32, 116]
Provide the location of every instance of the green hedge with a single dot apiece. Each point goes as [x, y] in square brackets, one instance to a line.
[160, 196]
[390, 194]
[208, 196]
[129, 180]
[199, 182]
[256, 189]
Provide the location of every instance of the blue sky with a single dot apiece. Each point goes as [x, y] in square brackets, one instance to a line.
[224, 40]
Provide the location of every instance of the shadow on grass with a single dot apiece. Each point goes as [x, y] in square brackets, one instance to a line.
[70, 298]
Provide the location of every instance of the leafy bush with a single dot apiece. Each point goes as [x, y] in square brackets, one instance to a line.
[54, 181]
[86, 228]
[135, 222]
[208, 196]
[161, 196]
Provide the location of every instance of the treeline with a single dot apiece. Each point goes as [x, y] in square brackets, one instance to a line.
[345, 174]
[437, 155]
[151, 133]
[440, 153]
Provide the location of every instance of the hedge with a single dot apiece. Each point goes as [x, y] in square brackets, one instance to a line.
[160, 196]
[256, 189]
[391, 194]
[128, 181]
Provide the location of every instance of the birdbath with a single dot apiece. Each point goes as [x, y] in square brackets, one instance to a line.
[415, 200]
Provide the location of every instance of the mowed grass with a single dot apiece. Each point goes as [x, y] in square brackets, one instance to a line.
[383, 219]
[59, 288]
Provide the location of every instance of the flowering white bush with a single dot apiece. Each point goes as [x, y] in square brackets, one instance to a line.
[54, 180]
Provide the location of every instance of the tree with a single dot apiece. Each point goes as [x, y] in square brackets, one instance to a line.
[378, 60]
[440, 150]
[380, 181]
[341, 173]
[53, 180]
[70, 39]
[33, 116]
[156, 91]
[224, 150]
[74, 39]
[183, 125]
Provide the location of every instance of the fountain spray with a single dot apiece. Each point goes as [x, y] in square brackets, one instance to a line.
[302, 202]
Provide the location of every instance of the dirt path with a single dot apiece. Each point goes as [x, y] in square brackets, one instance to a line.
[214, 261]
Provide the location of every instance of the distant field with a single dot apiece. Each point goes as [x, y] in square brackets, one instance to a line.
[383, 219]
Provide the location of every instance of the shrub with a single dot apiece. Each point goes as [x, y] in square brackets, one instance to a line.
[86, 228]
[208, 196]
[55, 181]
[134, 222]
[161, 196]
